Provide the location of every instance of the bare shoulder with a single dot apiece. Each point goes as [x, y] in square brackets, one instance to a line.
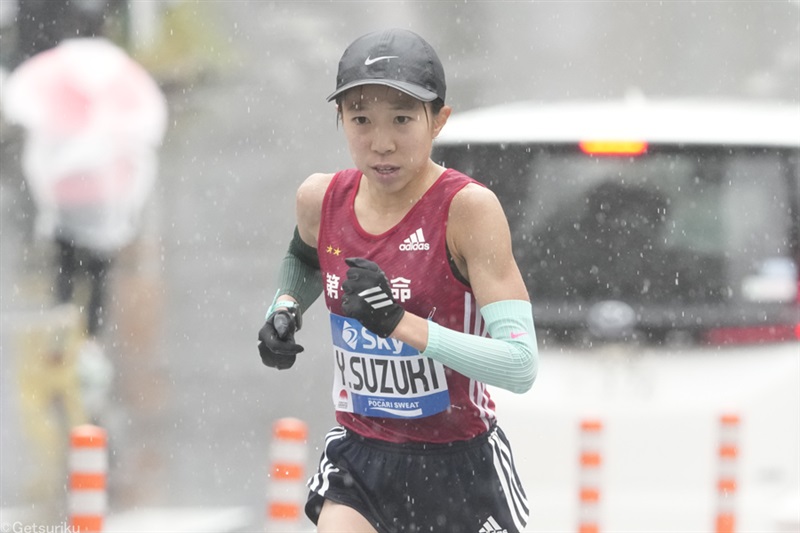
[476, 225]
[309, 205]
[480, 242]
[475, 203]
[313, 187]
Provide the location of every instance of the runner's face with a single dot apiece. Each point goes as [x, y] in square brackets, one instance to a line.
[389, 133]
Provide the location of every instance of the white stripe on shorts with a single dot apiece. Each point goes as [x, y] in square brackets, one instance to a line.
[515, 497]
[320, 481]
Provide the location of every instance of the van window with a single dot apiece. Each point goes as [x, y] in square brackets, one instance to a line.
[700, 226]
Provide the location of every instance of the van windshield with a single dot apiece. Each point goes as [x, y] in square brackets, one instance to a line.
[706, 227]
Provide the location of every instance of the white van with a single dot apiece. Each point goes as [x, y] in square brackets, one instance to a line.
[660, 243]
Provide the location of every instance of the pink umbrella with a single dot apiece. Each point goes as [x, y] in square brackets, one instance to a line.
[85, 84]
[94, 120]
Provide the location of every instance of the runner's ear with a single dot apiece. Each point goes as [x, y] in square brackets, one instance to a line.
[440, 119]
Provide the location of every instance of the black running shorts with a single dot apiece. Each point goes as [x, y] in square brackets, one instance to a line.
[461, 487]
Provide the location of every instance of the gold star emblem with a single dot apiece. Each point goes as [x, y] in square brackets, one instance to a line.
[329, 249]
[337, 251]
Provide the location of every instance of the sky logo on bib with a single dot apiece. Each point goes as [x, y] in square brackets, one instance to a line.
[350, 335]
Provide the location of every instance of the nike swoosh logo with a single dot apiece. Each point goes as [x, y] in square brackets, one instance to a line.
[370, 60]
[515, 335]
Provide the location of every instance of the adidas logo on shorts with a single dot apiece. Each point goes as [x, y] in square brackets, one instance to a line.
[415, 241]
[491, 526]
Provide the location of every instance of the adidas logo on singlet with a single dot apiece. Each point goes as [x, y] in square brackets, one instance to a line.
[415, 241]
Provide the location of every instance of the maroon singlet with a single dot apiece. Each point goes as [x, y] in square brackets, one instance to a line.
[383, 389]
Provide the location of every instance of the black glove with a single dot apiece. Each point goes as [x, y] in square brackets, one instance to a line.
[368, 298]
[276, 339]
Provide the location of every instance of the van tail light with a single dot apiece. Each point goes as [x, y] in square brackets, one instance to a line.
[606, 147]
[753, 334]
[757, 334]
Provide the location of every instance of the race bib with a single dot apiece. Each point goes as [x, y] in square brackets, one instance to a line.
[383, 377]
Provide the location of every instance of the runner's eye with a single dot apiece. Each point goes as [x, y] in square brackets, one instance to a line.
[360, 120]
[402, 119]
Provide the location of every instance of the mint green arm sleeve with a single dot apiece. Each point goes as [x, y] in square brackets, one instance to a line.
[509, 359]
[300, 281]
[299, 274]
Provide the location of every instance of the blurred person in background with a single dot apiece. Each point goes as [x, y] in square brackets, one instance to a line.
[42, 24]
[93, 121]
[417, 447]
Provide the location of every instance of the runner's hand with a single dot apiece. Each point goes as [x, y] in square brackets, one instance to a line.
[276, 339]
[368, 298]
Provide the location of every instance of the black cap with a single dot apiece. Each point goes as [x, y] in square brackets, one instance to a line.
[397, 58]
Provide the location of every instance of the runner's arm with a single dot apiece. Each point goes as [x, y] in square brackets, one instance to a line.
[301, 264]
[299, 285]
[480, 242]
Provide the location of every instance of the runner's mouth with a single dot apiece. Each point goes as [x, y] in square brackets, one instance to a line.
[385, 169]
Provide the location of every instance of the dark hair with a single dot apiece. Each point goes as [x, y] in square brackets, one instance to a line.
[436, 106]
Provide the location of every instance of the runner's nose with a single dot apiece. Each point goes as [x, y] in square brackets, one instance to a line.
[382, 141]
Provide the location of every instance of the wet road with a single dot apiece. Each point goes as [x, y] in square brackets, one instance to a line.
[193, 404]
